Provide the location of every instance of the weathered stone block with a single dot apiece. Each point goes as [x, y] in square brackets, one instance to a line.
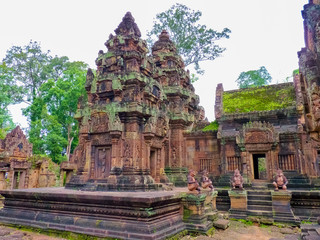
[238, 199]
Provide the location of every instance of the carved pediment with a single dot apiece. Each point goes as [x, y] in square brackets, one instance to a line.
[257, 133]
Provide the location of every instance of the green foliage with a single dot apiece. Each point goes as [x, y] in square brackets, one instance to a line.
[194, 42]
[263, 225]
[29, 68]
[9, 94]
[178, 236]
[259, 99]
[213, 126]
[246, 222]
[254, 78]
[261, 164]
[295, 72]
[51, 87]
[306, 222]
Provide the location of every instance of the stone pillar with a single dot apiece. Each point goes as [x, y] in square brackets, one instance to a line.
[194, 211]
[238, 200]
[210, 204]
[281, 207]
[3, 184]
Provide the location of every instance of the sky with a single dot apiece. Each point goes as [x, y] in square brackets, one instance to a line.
[263, 33]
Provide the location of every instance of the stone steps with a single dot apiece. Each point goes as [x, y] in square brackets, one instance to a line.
[260, 208]
[259, 203]
[259, 213]
[223, 200]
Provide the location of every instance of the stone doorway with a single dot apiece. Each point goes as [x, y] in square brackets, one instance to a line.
[102, 165]
[153, 163]
[259, 166]
[18, 179]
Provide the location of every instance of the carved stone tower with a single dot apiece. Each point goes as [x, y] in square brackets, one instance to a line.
[131, 127]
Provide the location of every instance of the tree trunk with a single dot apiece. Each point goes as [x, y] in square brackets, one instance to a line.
[70, 139]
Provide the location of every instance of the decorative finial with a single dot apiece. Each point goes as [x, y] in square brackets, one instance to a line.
[128, 27]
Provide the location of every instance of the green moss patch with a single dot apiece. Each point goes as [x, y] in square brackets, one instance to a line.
[264, 98]
[213, 126]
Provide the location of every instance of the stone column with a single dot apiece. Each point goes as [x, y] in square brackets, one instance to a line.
[3, 184]
[115, 149]
[194, 211]
[281, 207]
[238, 200]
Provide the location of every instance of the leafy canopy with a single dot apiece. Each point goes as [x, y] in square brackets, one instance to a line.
[10, 93]
[194, 42]
[254, 78]
[51, 87]
[29, 68]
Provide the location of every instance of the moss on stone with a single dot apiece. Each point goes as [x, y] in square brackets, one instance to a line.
[178, 236]
[264, 98]
[213, 126]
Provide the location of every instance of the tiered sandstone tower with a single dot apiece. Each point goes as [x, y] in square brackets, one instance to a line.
[131, 127]
[307, 85]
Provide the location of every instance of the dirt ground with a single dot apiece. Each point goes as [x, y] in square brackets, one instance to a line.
[241, 231]
[236, 231]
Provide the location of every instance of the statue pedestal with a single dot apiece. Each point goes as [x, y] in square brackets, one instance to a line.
[210, 204]
[281, 208]
[238, 201]
[198, 210]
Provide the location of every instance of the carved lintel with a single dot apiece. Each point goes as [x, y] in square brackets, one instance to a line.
[115, 135]
[148, 137]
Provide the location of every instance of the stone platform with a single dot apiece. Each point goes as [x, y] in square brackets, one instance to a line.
[124, 215]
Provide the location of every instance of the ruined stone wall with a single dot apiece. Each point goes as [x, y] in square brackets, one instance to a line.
[18, 168]
[203, 152]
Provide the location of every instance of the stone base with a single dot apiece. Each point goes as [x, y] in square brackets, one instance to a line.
[238, 204]
[130, 215]
[306, 204]
[120, 180]
[198, 212]
[178, 176]
[281, 208]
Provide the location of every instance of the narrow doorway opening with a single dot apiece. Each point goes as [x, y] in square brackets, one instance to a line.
[259, 166]
[18, 179]
[153, 161]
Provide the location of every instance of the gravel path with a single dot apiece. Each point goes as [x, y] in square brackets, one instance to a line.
[236, 231]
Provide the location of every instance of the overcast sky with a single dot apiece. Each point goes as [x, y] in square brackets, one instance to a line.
[264, 33]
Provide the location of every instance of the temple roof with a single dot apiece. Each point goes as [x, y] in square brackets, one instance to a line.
[265, 98]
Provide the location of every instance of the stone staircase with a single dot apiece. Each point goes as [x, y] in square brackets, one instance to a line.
[260, 204]
[223, 200]
[297, 181]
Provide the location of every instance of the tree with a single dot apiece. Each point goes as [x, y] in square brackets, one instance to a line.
[194, 42]
[53, 129]
[61, 97]
[29, 68]
[9, 94]
[52, 86]
[254, 78]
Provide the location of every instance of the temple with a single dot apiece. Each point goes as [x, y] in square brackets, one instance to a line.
[142, 127]
[138, 108]
[18, 168]
[143, 138]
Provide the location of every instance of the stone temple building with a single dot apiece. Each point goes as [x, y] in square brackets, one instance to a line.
[142, 130]
[18, 168]
[139, 107]
[141, 127]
